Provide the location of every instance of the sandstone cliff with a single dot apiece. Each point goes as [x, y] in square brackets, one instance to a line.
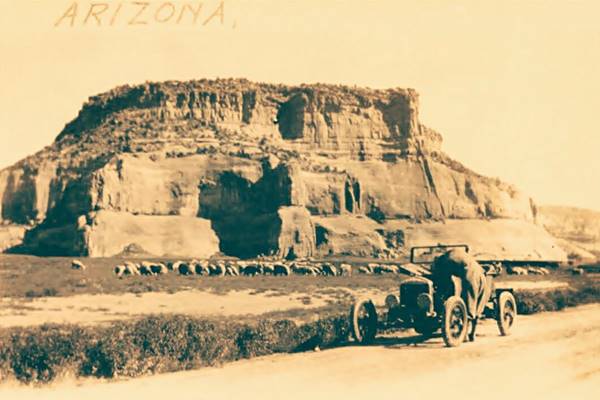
[245, 169]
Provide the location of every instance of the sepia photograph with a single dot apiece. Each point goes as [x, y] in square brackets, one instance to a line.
[299, 199]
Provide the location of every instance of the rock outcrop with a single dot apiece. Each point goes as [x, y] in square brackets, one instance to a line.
[194, 168]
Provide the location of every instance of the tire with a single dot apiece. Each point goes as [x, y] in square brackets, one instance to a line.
[363, 321]
[454, 322]
[506, 312]
[425, 326]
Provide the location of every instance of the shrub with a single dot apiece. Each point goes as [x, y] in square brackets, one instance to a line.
[41, 354]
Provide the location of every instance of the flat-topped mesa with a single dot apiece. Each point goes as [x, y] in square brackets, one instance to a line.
[362, 123]
[195, 168]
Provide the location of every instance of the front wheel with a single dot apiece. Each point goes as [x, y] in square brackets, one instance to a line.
[363, 320]
[506, 312]
[455, 321]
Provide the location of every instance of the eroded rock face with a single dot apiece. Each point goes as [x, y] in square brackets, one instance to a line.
[253, 168]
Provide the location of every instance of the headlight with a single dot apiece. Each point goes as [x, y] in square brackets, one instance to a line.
[392, 301]
[424, 301]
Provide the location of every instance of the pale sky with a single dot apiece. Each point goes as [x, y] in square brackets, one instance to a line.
[513, 86]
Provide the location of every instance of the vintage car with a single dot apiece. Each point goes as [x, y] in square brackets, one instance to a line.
[420, 305]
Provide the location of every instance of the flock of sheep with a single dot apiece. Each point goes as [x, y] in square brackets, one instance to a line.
[231, 268]
[245, 268]
[274, 268]
[528, 271]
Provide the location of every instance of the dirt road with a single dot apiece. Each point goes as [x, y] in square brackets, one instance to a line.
[549, 356]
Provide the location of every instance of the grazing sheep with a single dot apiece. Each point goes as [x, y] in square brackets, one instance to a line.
[146, 268]
[217, 269]
[281, 270]
[306, 270]
[385, 269]
[159, 269]
[268, 269]
[131, 268]
[78, 265]
[518, 271]
[345, 270]
[329, 269]
[365, 270]
[125, 270]
[184, 268]
[232, 270]
[534, 271]
[119, 270]
[201, 268]
[252, 270]
[171, 265]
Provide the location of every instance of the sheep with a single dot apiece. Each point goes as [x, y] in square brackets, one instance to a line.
[364, 269]
[268, 269]
[534, 271]
[171, 265]
[281, 270]
[518, 271]
[159, 269]
[125, 269]
[184, 268]
[385, 269]
[252, 270]
[119, 270]
[345, 270]
[232, 270]
[131, 268]
[146, 268]
[305, 270]
[201, 268]
[329, 269]
[78, 265]
[217, 269]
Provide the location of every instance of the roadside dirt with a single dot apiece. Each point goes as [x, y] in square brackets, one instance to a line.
[548, 356]
[90, 309]
[94, 309]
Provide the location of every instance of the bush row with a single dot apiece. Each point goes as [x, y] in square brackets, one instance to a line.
[154, 344]
[531, 302]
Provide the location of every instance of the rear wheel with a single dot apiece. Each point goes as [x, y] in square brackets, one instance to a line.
[363, 320]
[455, 321]
[506, 312]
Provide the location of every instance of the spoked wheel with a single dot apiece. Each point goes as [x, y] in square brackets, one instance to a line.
[455, 322]
[506, 312]
[363, 320]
